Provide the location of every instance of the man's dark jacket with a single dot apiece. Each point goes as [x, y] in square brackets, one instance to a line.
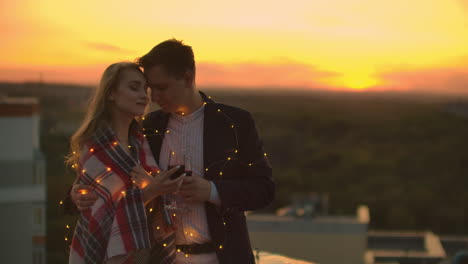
[235, 161]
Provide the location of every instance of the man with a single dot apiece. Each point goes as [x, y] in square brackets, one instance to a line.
[230, 171]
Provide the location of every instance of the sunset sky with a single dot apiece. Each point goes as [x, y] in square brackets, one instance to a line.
[332, 44]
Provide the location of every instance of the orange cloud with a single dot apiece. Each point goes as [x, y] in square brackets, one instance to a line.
[448, 80]
[105, 47]
[86, 75]
[442, 80]
[254, 75]
[247, 75]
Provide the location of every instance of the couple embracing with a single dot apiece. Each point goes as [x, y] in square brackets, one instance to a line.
[171, 186]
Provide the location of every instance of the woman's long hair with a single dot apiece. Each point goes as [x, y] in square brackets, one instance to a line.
[99, 110]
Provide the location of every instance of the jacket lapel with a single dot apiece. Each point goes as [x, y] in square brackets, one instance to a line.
[157, 126]
[218, 137]
[210, 135]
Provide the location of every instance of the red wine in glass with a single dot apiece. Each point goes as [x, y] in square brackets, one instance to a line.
[178, 172]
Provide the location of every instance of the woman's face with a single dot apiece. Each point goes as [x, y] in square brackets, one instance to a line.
[130, 96]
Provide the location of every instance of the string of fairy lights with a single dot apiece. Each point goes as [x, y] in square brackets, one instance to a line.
[232, 155]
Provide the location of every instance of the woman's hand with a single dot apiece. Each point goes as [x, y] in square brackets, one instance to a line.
[83, 196]
[141, 177]
[160, 184]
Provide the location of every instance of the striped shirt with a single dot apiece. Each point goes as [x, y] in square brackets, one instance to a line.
[183, 144]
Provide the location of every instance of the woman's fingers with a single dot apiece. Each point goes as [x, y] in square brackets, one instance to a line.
[166, 174]
[177, 183]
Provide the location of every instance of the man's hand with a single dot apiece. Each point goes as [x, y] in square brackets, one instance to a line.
[83, 196]
[195, 189]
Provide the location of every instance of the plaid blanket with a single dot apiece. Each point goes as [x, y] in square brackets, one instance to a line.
[117, 223]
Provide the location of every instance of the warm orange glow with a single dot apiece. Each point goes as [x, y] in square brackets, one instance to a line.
[83, 191]
[144, 184]
[334, 44]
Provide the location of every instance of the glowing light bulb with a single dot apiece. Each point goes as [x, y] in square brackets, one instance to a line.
[250, 164]
[220, 246]
[186, 255]
[67, 226]
[220, 173]
[115, 143]
[235, 151]
[91, 150]
[109, 169]
[83, 191]
[61, 202]
[229, 158]
[151, 209]
[83, 171]
[164, 245]
[157, 227]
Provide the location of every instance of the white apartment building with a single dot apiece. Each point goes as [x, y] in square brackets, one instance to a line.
[22, 183]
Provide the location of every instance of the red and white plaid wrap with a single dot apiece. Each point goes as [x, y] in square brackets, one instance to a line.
[117, 223]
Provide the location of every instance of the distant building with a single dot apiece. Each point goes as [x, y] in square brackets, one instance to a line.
[404, 248]
[454, 244]
[22, 183]
[320, 239]
[306, 205]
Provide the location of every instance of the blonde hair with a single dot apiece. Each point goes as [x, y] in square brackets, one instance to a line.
[99, 109]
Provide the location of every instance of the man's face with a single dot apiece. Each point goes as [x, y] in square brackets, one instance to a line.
[167, 91]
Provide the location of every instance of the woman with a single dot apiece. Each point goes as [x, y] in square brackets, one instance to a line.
[105, 151]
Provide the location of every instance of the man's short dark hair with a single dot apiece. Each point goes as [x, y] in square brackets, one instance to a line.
[176, 58]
